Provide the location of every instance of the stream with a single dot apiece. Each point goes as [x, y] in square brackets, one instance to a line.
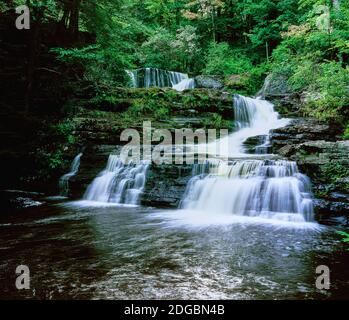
[245, 229]
[80, 251]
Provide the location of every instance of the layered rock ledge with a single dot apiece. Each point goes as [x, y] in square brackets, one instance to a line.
[319, 153]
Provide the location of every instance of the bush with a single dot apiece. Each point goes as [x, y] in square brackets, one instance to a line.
[169, 51]
[222, 60]
[331, 83]
[346, 132]
[99, 65]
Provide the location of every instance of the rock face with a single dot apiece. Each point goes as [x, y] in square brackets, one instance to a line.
[274, 86]
[276, 90]
[208, 83]
[317, 147]
[166, 185]
[303, 130]
[319, 153]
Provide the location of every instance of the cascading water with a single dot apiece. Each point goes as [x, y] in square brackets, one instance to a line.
[153, 77]
[64, 180]
[253, 117]
[264, 188]
[185, 84]
[118, 183]
[271, 189]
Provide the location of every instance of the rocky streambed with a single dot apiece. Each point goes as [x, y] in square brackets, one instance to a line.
[310, 143]
[317, 147]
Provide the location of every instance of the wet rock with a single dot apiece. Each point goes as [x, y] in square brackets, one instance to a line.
[302, 130]
[208, 82]
[92, 162]
[275, 85]
[166, 185]
[18, 199]
[277, 91]
[253, 144]
[325, 208]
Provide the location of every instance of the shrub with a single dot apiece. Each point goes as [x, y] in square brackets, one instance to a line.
[222, 60]
[346, 132]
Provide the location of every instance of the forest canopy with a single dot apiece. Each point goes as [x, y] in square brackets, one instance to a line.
[304, 41]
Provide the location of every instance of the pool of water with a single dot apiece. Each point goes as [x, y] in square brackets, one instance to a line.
[79, 250]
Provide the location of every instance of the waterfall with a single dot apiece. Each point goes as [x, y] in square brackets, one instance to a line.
[64, 180]
[185, 84]
[270, 189]
[153, 77]
[132, 77]
[265, 188]
[118, 182]
[253, 117]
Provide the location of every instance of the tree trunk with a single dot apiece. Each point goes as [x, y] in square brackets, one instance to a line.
[213, 25]
[74, 18]
[336, 4]
[32, 57]
[65, 18]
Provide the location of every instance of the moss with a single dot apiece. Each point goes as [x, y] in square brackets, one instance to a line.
[335, 175]
[216, 121]
[346, 132]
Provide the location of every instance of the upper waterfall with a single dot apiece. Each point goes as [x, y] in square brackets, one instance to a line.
[153, 77]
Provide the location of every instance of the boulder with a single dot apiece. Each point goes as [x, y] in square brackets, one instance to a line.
[208, 82]
[166, 185]
[277, 90]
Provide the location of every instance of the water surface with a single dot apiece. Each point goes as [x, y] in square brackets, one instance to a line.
[76, 251]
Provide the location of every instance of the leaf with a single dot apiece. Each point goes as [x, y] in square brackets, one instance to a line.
[344, 234]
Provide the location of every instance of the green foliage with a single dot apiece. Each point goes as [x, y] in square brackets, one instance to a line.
[216, 121]
[166, 50]
[50, 158]
[145, 108]
[333, 174]
[335, 171]
[330, 81]
[313, 57]
[345, 236]
[102, 66]
[55, 160]
[64, 131]
[304, 41]
[223, 60]
[346, 132]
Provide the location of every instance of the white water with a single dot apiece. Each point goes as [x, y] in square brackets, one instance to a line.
[253, 117]
[272, 190]
[153, 77]
[263, 188]
[185, 84]
[64, 180]
[118, 183]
